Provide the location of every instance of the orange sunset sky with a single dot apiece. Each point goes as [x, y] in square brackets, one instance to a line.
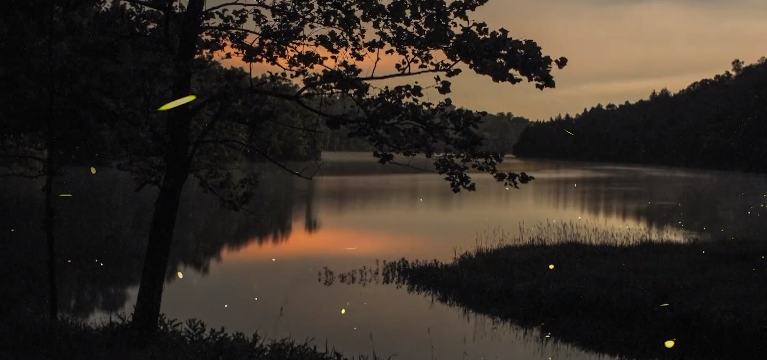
[618, 50]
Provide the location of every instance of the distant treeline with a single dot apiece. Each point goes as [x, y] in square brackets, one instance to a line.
[716, 123]
[501, 131]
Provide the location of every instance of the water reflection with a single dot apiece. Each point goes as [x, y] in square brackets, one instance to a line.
[101, 234]
[356, 212]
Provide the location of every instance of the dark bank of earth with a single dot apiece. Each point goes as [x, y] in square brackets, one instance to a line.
[191, 340]
[619, 300]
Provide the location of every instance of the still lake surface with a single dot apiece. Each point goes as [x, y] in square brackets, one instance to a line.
[259, 272]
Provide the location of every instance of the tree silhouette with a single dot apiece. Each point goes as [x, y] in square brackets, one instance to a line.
[129, 58]
[43, 125]
[715, 123]
[319, 45]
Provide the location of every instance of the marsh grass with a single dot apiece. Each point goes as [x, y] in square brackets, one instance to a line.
[605, 291]
[76, 339]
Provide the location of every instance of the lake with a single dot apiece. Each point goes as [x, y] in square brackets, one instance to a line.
[259, 272]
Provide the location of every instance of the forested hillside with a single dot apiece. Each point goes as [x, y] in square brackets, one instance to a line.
[713, 123]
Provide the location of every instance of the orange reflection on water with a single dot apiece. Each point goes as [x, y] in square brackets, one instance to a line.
[331, 241]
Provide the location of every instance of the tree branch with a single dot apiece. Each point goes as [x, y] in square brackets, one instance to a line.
[208, 127]
[145, 183]
[213, 191]
[229, 143]
[237, 2]
[390, 76]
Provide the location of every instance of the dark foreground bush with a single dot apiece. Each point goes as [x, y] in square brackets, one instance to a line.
[625, 300]
[114, 341]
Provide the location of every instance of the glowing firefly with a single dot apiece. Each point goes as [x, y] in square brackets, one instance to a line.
[343, 311]
[663, 304]
[569, 132]
[551, 266]
[180, 275]
[669, 344]
[66, 195]
[176, 103]
[93, 170]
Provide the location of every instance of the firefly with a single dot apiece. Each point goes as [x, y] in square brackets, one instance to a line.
[663, 304]
[669, 344]
[176, 103]
[93, 170]
[569, 132]
[343, 311]
[66, 195]
[551, 266]
[180, 275]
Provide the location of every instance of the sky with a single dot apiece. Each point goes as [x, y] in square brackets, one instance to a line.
[618, 50]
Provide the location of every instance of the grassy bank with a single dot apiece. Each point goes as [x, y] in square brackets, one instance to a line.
[617, 294]
[191, 340]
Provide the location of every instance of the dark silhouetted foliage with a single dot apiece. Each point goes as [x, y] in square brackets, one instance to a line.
[718, 123]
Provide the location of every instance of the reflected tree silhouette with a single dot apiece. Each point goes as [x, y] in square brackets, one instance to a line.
[102, 230]
[701, 203]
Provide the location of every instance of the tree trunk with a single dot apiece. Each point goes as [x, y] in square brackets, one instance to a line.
[49, 173]
[147, 313]
[146, 316]
[48, 226]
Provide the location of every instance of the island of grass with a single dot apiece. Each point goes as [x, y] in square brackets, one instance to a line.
[610, 293]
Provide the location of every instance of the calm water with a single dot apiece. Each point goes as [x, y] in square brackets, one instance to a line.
[260, 272]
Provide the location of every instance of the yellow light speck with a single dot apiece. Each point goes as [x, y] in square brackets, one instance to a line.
[548, 335]
[421, 199]
[507, 188]
[274, 259]
[176, 103]
[669, 344]
[102, 264]
[93, 170]
[664, 304]
[226, 305]
[343, 311]
[551, 266]
[69, 261]
[256, 299]
[180, 275]
[12, 230]
[65, 195]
